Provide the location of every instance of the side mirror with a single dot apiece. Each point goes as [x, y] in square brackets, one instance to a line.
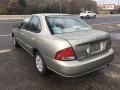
[17, 26]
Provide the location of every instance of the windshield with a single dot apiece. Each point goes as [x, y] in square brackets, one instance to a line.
[65, 24]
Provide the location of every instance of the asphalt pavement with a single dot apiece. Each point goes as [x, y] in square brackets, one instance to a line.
[103, 20]
[18, 71]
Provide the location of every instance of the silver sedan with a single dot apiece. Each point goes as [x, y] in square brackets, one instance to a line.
[63, 43]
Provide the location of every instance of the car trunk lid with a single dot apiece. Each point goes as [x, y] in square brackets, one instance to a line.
[85, 43]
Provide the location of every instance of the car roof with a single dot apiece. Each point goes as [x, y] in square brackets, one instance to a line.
[51, 14]
[89, 11]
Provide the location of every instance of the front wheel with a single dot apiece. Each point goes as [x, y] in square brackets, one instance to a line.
[15, 42]
[94, 16]
[87, 17]
[41, 66]
[81, 17]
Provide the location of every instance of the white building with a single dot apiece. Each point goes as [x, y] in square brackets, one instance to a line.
[107, 6]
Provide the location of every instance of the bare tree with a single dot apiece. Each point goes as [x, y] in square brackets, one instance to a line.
[47, 6]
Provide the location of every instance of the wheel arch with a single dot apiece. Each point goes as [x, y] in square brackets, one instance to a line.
[34, 51]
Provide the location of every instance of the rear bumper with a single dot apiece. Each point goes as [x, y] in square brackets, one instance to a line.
[78, 68]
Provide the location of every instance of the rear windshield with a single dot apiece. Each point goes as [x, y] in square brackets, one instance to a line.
[66, 24]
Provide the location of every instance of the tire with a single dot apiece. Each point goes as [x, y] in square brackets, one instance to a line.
[15, 42]
[87, 17]
[40, 64]
[81, 17]
[94, 16]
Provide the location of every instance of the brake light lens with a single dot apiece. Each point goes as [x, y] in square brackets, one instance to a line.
[65, 54]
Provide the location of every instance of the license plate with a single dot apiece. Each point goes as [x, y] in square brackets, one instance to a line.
[95, 47]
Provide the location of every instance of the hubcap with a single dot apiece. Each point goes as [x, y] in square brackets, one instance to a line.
[39, 63]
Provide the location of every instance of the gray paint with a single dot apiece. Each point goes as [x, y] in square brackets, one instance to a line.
[48, 45]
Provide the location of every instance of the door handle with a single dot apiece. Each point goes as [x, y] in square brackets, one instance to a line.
[22, 33]
[33, 38]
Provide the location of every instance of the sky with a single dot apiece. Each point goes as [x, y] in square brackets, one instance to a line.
[108, 1]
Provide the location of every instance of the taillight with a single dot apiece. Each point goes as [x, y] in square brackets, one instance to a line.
[65, 54]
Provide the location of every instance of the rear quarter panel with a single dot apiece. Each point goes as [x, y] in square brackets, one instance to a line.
[49, 45]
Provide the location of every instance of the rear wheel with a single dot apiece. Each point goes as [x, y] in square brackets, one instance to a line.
[41, 66]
